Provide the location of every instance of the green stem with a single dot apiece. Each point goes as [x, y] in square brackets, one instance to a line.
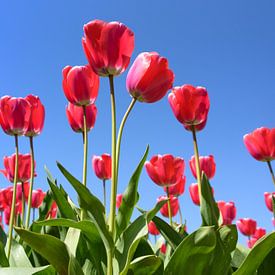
[197, 159]
[104, 193]
[120, 131]
[23, 204]
[114, 182]
[31, 184]
[13, 198]
[85, 153]
[109, 262]
[271, 171]
[169, 206]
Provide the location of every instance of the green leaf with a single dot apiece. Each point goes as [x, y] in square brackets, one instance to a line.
[268, 265]
[209, 209]
[96, 246]
[257, 255]
[172, 236]
[92, 204]
[145, 265]
[74, 267]
[42, 270]
[3, 259]
[239, 255]
[229, 237]
[143, 249]
[62, 202]
[129, 198]
[18, 257]
[72, 239]
[192, 256]
[51, 248]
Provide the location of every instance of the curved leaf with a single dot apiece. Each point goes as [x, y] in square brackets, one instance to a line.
[18, 257]
[43, 270]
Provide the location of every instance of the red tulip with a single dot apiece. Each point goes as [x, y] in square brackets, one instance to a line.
[53, 211]
[149, 77]
[152, 228]
[261, 143]
[194, 193]
[102, 166]
[260, 232]
[14, 115]
[165, 170]
[80, 85]
[207, 165]
[251, 242]
[36, 121]
[7, 212]
[3, 203]
[163, 248]
[108, 46]
[228, 211]
[190, 106]
[118, 200]
[24, 167]
[268, 200]
[75, 116]
[174, 202]
[37, 198]
[178, 188]
[247, 226]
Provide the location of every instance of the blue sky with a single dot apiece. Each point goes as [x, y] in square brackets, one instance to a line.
[226, 46]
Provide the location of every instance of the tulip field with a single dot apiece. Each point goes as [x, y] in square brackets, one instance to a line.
[50, 232]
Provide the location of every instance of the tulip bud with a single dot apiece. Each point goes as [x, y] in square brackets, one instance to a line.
[261, 143]
[228, 211]
[190, 105]
[174, 202]
[24, 167]
[165, 170]
[247, 226]
[118, 200]
[108, 46]
[207, 165]
[149, 77]
[102, 166]
[80, 85]
[268, 200]
[14, 115]
[152, 228]
[75, 115]
[36, 121]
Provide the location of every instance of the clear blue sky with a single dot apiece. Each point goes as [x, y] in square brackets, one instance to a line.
[226, 46]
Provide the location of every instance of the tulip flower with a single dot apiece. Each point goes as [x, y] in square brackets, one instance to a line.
[118, 200]
[190, 105]
[36, 121]
[260, 232]
[261, 143]
[207, 165]
[14, 115]
[102, 166]
[268, 200]
[149, 77]
[24, 170]
[37, 198]
[52, 212]
[228, 211]
[165, 170]
[163, 248]
[7, 212]
[108, 46]
[80, 85]
[178, 188]
[247, 226]
[75, 115]
[194, 193]
[152, 229]
[174, 202]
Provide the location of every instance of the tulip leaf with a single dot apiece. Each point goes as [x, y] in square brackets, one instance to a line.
[42, 270]
[51, 248]
[92, 204]
[128, 242]
[18, 257]
[62, 202]
[239, 255]
[171, 236]
[129, 198]
[3, 259]
[74, 267]
[192, 256]
[145, 265]
[268, 265]
[89, 229]
[209, 209]
[143, 249]
[257, 255]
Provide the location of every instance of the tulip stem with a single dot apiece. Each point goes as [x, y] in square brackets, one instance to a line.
[197, 159]
[120, 131]
[169, 206]
[31, 184]
[104, 193]
[13, 197]
[271, 171]
[85, 154]
[23, 204]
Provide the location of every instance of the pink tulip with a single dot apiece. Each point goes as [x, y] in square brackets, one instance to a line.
[102, 166]
[247, 226]
[268, 200]
[207, 165]
[228, 211]
[178, 188]
[152, 229]
[118, 200]
[37, 198]
[174, 202]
